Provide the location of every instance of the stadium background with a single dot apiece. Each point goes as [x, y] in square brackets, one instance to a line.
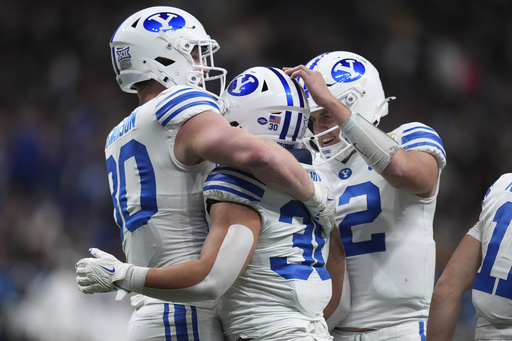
[447, 62]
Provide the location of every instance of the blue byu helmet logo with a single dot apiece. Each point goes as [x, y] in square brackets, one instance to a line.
[164, 21]
[347, 70]
[242, 85]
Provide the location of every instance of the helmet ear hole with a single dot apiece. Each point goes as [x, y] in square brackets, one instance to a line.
[164, 61]
[264, 87]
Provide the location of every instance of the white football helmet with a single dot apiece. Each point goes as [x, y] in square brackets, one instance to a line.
[267, 102]
[156, 43]
[355, 82]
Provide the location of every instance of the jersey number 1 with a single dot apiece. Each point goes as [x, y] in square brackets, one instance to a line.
[483, 280]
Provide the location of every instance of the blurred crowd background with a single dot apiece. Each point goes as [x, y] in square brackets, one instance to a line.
[449, 63]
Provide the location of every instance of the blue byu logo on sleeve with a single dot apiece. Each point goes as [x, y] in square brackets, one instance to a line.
[164, 21]
[242, 85]
[347, 70]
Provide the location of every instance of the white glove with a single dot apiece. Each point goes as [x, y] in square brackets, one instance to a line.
[99, 274]
[322, 207]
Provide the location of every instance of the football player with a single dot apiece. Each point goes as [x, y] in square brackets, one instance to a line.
[264, 256]
[159, 156]
[386, 187]
[482, 261]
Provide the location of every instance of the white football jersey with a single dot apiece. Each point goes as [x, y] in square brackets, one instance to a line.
[387, 235]
[286, 285]
[158, 202]
[492, 289]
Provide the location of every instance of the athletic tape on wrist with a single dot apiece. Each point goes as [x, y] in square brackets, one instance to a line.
[374, 146]
[318, 196]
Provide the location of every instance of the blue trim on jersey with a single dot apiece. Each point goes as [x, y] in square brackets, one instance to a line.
[171, 95]
[180, 321]
[419, 144]
[422, 331]
[236, 170]
[430, 134]
[167, 326]
[176, 101]
[195, 325]
[422, 135]
[235, 180]
[230, 190]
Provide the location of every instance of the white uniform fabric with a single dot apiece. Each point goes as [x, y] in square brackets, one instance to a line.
[158, 202]
[285, 287]
[411, 331]
[387, 235]
[492, 289]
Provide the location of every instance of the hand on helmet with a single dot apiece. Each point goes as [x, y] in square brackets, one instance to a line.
[99, 274]
[318, 90]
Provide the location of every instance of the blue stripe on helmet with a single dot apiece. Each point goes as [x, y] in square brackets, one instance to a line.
[287, 89]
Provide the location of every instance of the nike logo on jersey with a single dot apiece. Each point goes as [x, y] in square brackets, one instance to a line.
[109, 270]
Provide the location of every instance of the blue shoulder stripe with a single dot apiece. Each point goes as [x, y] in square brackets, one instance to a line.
[422, 136]
[240, 185]
[237, 171]
[200, 97]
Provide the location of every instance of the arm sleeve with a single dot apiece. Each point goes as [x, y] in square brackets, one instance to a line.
[227, 266]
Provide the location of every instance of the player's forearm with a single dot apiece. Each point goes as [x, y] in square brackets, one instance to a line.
[279, 169]
[206, 279]
[442, 319]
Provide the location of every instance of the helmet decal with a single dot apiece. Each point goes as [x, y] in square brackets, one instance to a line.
[347, 70]
[243, 85]
[123, 53]
[262, 121]
[164, 21]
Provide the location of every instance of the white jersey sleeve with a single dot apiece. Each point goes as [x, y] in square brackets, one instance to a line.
[492, 289]
[174, 107]
[158, 202]
[418, 136]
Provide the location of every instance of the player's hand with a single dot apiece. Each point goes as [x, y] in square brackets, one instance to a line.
[322, 207]
[315, 83]
[99, 274]
[318, 90]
